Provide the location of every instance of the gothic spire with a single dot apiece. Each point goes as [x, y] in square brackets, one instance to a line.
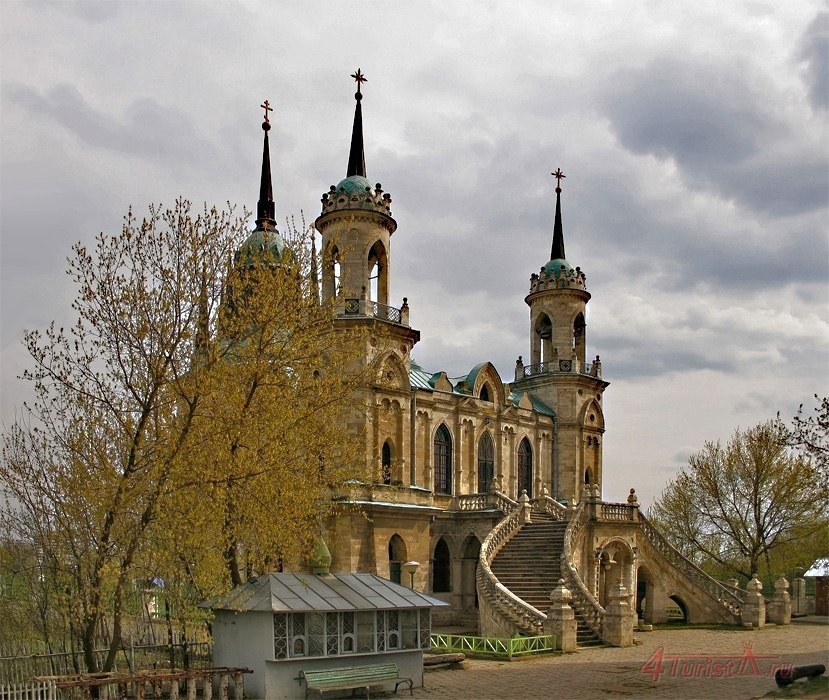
[315, 282]
[265, 211]
[557, 251]
[356, 156]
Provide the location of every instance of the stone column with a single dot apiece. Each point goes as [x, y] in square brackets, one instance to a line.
[779, 610]
[561, 621]
[754, 605]
[618, 618]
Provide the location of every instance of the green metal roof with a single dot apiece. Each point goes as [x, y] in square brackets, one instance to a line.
[262, 245]
[554, 267]
[354, 184]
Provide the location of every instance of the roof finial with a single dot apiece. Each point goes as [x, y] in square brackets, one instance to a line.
[559, 176]
[267, 107]
[356, 156]
[265, 210]
[557, 251]
[360, 78]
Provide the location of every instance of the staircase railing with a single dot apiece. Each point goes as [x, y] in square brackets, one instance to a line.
[549, 505]
[716, 590]
[500, 599]
[584, 602]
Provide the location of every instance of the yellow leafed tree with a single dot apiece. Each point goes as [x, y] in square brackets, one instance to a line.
[186, 427]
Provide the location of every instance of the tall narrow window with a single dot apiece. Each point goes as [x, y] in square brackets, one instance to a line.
[525, 467]
[441, 580]
[386, 462]
[486, 463]
[443, 460]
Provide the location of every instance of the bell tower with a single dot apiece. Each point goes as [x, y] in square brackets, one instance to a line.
[356, 226]
[558, 372]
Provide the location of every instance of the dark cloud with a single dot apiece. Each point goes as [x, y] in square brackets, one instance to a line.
[149, 130]
[814, 52]
[720, 127]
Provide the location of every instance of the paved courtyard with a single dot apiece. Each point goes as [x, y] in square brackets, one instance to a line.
[675, 663]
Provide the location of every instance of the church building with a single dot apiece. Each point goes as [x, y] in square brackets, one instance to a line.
[486, 490]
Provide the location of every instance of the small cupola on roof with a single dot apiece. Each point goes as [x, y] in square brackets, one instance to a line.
[264, 244]
[355, 190]
[558, 261]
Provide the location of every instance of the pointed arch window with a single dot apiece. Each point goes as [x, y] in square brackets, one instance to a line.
[441, 568]
[443, 460]
[525, 467]
[486, 395]
[385, 460]
[486, 462]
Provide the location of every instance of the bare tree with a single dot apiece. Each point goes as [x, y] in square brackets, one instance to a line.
[735, 505]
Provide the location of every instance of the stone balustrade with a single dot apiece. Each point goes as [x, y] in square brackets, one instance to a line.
[584, 602]
[499, 599]
[725, 595]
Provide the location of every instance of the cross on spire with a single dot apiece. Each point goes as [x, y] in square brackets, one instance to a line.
[267, 107]
[559, 176]
[359, 78]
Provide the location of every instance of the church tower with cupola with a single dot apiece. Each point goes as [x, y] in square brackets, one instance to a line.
[558, 372]
[356, 226]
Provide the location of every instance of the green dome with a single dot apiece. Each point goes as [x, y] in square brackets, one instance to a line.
[555, 267]
[261, 245]
[354, 184]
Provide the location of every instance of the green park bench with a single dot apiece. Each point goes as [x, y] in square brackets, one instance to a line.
[353, 677]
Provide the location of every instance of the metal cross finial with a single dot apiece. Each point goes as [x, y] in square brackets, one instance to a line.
[360, 78]
[559, 176]
[267, 107]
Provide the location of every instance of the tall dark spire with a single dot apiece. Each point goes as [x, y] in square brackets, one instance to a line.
[265, 211]
[356, 156]
[557, 252]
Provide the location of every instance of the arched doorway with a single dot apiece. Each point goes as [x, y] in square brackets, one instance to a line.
[486, 462]
[469, 567]
[441, 568]
[525, 468]
[397, 555]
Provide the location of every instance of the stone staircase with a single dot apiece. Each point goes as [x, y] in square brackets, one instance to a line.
[529, 565]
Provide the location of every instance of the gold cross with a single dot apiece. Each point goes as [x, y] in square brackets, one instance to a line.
[558, 175]
[267, 107]
[360, 78]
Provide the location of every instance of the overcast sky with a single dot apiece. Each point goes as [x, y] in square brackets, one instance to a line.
[693, 136]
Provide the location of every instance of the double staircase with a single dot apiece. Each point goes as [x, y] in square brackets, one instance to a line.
[529, 565]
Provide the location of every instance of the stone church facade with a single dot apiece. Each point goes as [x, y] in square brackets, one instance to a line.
[466, 468]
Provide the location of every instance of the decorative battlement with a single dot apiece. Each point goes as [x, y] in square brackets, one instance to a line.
[563, 277]
[343, 198]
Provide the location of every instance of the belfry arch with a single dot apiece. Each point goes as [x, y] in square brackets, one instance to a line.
[378, 273]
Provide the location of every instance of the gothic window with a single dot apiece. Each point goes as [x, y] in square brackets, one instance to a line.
[441, 579]
[443, 460]
[485, 393]
[525, 467]
[586, 476]
[486, 462]
[386, 462]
